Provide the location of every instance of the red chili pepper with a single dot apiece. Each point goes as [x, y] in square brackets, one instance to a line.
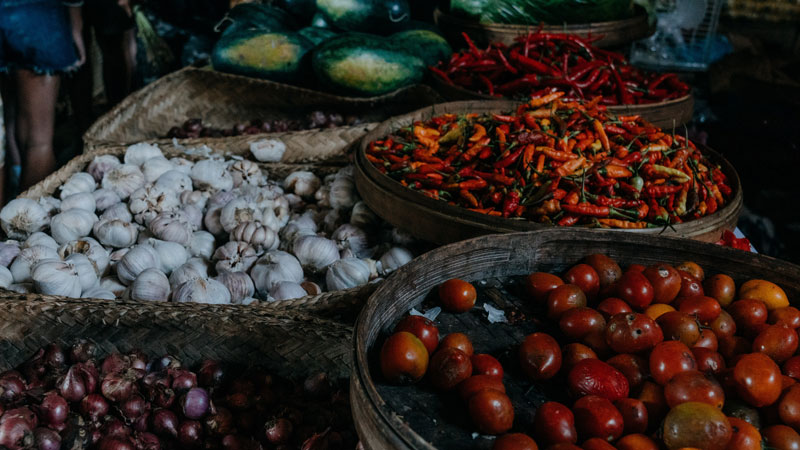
[471, 200]
[624, 95]
[532, 65]
[508, 160]
[587, 209]
[487, 83]
[568, 220]
[661, 190]
[472, 48]
[510, 203]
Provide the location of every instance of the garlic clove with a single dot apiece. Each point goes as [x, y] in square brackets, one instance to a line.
[182, 165]
[171, 226]
[87, 275]
[56, 277]
[40, 238]
[105, 198]
[113, 285]
[174, 180]
[311, 288]
[148, 202]
[274, 267]
[187, 272]
[198, 199]
[78, 182]
[235, 256]
[171, 254]
[6, 279]
[262, 238]
[353, 238]
[96, 253]
[21, 288]
[150, 285]
[246, 172]
[363, 217]
[21, 217]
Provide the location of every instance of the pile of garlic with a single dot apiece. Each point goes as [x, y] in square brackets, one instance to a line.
[212, 231]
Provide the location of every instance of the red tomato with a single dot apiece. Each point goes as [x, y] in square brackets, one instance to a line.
[694, 386]
[612, 306]
[448, 367]
[563, 446]
[477, 383]
[690, 286]
[457, 295]
[748, 313]
[636, 268]
[789, 406]
[636, 442]
[483, 364]
[635, 289]
[781, 437]
[724, 325]
[514, 441]
[792, 367]
[708, 361]
[540, 356]
[597, 444]
[758, 379]
[679, 326]
[665, 280]
[597, 342]
[779, 342]
[459, 341]
[720, 287]
[745, 436]
[788, 315]
[634, 414]
[652, 395]
[585, 277]
[731, 347]
[607, 269]
[594, 377]
[404, 358]
[538, 285]
[554, 423]
[563, 298]
[632, 333]
[571, 354]
[707, 340]
[706, 309]
[670, 358]
[633, 367]
[422, 328]
[576, 323]
[491, 411]
[691, 268]
[595, 416]
[697, 425]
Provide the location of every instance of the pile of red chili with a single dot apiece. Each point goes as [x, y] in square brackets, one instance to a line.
[563, 62]
[555, 161]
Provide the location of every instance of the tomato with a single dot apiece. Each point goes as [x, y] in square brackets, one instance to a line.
[779, 342]
[731, 347]
[459, 341]
[707, 340]
[789, 316]
[448, 367]
[597, 342]
[670, 358]
[483, 364]
[633, 367]
[787, 381]
[404, 358]
[792, 367]
[748, 313]
[597, 444]
[694, 386]
[457, 296]
[563, 298]
[708, 361]
[636, 442]
[690, 286]
[595, 416]
[608, 271]
[563, 446]
[789, 406]
[657, 310]
[491, 411]
[477, 383]
[781, 437]
[635, 289]
[678, 326]
[554, 423]
[540, 356]
[721, 287]
[576, 323]
[594, 377]
[636, 268]
[514, 441]
[691, 268]
[585, 277]
[724, 325]
[632, 333]
[539, 284]
[705, 309]
[666, 282]
[695, 424]
[652, 395]
[758, 379]
[770, 293]
[634, 414]
[612, 306]
[422, 328]
[745, 436]
[571, 354]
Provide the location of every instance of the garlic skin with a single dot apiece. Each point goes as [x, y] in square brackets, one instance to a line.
[198, 199]
[192, 216]
[311, 288]
[113, 285]
[239, 285]
[56, 277]
[8, 251]
[274, 267]
[275, 213]
[202, 244]
[302, 183]
[211, 175]
[187, 272]
[352, 238]
[238, 211]
[21, 217]
[123, 180]
[28, 257]
[82, 200]
[102, 164]
[51, 205]
[268, 150]
[171, 227]
[323, 196]
[87, 275]
[153, 168]
[97, 254]
[71, 225]
[119, 211]
[332, 220]
[342, 193]
[6, 279]
[174, 180]
[78, 182]
[247, 172]
[115, 233]
[137, 154]
[202, 291]
[136, 261]
[286, 290]
[104, 199]
[148, 202]
[256, 234]
[235, 257]
[315, 253]
[151, 285]
[363, 217]
[347, 273]
[171, 254]
[39, 238]
[99, 293]
[393, 259]
[182, 165]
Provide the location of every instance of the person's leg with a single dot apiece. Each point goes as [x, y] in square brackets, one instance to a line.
[36, 101]
[129, 56]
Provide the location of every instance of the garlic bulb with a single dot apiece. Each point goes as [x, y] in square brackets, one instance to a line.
[347, 273]
[331, 220]
[256, 234]
[56, 277]
[21, 288]
[315, 253]
[235, 257]
[323, 196]
[182, 165]
[274, 267]
[71, 225]
[353, 238]
[104, 199]
[97, 254]
[275, 213]
[51, 205]
[136, 261]
[268, 150]
[246, 172]
[192, 215]
[116, 255]
[115, 233]
[42, 239]
[99, 293]
[148, 202]
[123, 180]
[171, 227]
[21, 217]
[342, 193]
[393, 259]
[6, 279]
[302, 183]
[212, 222]
[153, 168]
[137, 154]
[84, 268]
[82, 200]
[171, 254]
[187, 272]
[401, 237]
[151, 285]
[286, 290]
[198, 199]
[239, 285]
[78, 182]
[202, 244]
[238, 211]
[28, 257]
[362, 217]
[113, 285]
[174, 180]
[202, 291]
[102, 164]
[119, 211]
[8, 251]
[295, 201]
[211, 175]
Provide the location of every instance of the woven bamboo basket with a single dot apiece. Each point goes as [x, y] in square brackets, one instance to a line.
[408, 417]
[223, 100]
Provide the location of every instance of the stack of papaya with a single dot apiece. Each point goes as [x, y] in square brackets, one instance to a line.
[346, 47]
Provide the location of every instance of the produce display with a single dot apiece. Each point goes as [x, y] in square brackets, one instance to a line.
[194, 127]
[556, 161]
[212, 231]
[546, 61]
[71, 399]
[656, 357]
[532, 12]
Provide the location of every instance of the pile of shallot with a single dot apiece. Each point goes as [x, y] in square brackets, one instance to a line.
[69, 399]
[217, 231]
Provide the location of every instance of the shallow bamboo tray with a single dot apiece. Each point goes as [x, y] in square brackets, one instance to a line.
[612, 33]
[668, 114]
[392, 417]
[439, 222]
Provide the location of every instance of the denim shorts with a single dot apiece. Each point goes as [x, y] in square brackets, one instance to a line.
[36, 35]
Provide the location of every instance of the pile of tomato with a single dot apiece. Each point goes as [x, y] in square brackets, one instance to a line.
[652, 357]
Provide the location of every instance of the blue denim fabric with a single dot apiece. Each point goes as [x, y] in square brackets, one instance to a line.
[36, 35]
